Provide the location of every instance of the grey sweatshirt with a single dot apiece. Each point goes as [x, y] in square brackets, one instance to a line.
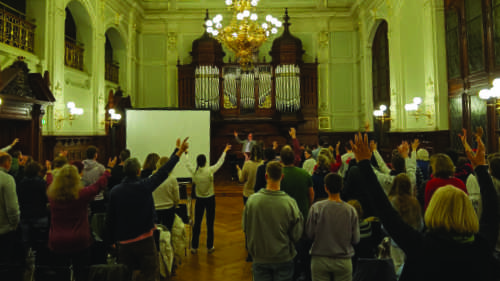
[9, 206]
[92, 171]
[334, 227]
[272, 223]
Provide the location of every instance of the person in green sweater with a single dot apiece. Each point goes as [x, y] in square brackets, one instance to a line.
[272, 223]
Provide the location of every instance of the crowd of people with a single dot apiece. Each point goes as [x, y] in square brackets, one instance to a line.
[310, 213]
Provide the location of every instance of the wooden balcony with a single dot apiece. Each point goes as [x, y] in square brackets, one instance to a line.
[73, 54]
[15, 30]
[112, 72]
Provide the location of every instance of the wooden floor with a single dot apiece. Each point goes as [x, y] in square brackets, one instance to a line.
[228, 260]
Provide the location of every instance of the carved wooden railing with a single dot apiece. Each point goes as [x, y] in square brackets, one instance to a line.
[112, 72]
[15, 30]
[73, 54]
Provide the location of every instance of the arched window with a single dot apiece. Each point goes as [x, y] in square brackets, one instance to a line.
[381, 80]
[380, 68]
[70, 26]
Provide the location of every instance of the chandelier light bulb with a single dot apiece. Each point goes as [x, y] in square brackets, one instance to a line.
[496, 83]
[111, 111]
[484, 94]
[265, 25]
[218, 18]
[378, 113]
[274, 30]
[229, 2]
[269, 18]
[215, 32]
[254, 3]
[218, 25]
[239, 16]
[254, 17]
[70, 105]
[383, 108]
[417, 100]
[267, 33]
[246, 13]
[279, 24]
[209, 23]
[235, 35]
[210, 29]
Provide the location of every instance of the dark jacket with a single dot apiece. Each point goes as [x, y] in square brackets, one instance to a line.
[32, 196]
[436, 256]
[131, 205]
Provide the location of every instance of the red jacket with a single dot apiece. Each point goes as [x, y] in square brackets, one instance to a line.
[69, 227]
[434, 183]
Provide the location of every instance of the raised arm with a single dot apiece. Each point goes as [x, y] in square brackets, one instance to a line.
[403, 234]
[380, 161]
[237, 138]
[488, 223]
[214, 168]
[296, 147]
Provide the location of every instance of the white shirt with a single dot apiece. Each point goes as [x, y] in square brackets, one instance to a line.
[203, 177]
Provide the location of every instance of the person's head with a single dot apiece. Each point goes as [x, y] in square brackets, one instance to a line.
[201, 161]
[124, 155]
[17, 154]
[150, 162]
[287, 155]
[422, 154]
[269, 154]
[494, 163]
[256, 153]
[274, 171]
[323, 162]
[462, 161]
[66, 184]
[59, 161]
[326, 152]
[308, 152]
[5, 160]
[348, 147]
[398, 163]
[131, 167]
[32, 169]
[333, 183]
[401, 185]
[92, 152]
[250, 136]
[323, 142]
[161, 162]
[450, 211]
[442, 166]
[357, 206]
[79, 166]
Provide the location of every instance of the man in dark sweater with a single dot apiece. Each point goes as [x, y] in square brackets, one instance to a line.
[131, 215]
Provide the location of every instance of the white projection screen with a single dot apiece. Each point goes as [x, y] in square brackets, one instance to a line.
[156, 130]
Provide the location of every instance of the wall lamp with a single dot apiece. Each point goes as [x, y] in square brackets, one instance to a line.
[70, 115]
[415, 109]
[114, 118]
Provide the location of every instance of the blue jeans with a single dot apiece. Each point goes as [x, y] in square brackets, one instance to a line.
[273, 271]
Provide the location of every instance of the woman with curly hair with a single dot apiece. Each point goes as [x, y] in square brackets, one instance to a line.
[69, 236]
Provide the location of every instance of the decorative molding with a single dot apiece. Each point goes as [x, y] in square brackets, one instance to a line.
[324, 39]
[172, 40]
[324, 123]
[84, 84]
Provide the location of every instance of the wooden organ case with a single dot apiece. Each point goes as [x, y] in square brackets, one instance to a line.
[266, 99]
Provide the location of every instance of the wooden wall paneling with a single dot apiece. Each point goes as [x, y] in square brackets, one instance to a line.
[76, 147]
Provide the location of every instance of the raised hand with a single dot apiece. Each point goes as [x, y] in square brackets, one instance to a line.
[404, 149]
[183, 147]
[337, 148]
[228, 147]
[63, 153]
[415, 144]
[112, 162]
[14, 142]
[235, 134]
[292, 132]
[479, 132]
[478, 158]
[373, 146]
[361, 147]
[463, 138]
[48, 165]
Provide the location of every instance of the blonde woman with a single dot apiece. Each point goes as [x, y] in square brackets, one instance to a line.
[149, 165]
[69, 236]
[456, 246]
[166, 197]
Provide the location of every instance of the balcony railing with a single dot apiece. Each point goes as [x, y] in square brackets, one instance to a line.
[15, 30]
[73, 54]
[112, 71]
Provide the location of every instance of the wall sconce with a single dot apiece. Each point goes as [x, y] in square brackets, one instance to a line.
[415, 109]
[114, 118]
[1, 101]
[381, 115]
[73, 111]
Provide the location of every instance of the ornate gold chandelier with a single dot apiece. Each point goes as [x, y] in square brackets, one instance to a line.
[244, 35]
